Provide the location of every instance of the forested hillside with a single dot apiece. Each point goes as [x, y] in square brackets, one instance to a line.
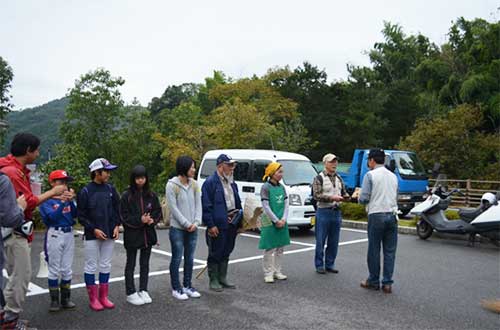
[43, 121]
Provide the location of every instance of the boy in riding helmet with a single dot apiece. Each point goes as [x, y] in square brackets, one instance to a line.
[58, 214]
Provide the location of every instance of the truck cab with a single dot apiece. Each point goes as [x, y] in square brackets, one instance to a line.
[412, 179]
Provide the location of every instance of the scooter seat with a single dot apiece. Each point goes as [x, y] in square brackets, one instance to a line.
[469, 214]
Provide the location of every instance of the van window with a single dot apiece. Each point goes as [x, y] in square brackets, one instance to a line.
[208, 168]
[298, 172]
[259, 167]
[241, 170]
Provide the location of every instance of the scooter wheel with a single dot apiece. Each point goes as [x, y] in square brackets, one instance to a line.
[424, 230]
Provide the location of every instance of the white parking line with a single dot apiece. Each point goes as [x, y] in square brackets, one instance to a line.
[33, 289]
[40, 290]
[355, 230]
[158, 251]
[37, 290]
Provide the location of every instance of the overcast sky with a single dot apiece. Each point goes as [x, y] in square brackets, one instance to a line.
[153, 44]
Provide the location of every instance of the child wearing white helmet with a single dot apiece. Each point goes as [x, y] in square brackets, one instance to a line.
[98, 211]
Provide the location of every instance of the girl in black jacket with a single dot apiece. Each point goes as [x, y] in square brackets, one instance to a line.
[140, 211]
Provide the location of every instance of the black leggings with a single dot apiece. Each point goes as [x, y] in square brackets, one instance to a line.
[144, 269]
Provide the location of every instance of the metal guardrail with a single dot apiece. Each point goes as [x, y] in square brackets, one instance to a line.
[472, 190]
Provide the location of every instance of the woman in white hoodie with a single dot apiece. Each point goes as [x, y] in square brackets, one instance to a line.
[184, 201]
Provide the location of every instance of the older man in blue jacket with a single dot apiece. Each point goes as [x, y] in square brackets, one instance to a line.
[221, 203]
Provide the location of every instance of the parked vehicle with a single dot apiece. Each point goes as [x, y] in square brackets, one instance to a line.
[432, 217]
[412, 178]
[297, 179]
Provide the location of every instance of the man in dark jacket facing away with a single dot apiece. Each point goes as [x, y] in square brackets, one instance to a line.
[220, 204]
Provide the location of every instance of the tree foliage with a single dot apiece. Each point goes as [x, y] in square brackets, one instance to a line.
[455, 142]
[6, 76]
[98, 122]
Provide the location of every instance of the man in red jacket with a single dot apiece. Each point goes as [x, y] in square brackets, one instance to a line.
[24, 150]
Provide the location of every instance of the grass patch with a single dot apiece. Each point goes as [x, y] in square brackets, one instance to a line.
[356, 212]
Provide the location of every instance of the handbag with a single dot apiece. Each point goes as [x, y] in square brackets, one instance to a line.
[235, 217]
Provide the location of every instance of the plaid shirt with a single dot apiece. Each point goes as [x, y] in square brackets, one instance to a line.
[318, 187]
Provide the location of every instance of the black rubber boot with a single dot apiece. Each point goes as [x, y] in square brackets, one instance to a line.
[66, 302]
[54, 300]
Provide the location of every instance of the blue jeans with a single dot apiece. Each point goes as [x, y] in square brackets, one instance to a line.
[182, 243]
[382, 229]
[327, 230]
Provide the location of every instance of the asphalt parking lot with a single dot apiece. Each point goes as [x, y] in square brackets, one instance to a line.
[439, 284]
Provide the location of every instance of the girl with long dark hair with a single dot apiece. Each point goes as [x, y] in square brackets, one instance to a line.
[140, 211]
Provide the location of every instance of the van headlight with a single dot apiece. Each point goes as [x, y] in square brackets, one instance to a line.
[295, 200]
[404, 197]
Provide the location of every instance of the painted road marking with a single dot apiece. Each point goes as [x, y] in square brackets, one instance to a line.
[37, 290]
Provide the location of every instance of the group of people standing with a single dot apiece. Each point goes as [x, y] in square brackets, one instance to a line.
[101, 210]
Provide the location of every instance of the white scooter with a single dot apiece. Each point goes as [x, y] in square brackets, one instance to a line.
[432, 217]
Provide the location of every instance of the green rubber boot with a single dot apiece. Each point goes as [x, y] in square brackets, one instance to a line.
[213, 274]
[223, 275]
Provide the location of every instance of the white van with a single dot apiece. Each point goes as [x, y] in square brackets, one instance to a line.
[297, 179]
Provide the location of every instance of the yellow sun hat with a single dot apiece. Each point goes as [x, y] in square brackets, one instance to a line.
[270, 170]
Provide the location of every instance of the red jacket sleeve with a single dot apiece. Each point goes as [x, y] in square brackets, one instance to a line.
[22, 185]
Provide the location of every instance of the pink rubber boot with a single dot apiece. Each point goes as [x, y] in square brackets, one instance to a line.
[103, 296]
[94, 301]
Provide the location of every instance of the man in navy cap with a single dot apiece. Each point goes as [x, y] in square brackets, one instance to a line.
[221, 203]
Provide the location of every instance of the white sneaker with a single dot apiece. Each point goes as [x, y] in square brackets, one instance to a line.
[146, 297]
[269, 279]
[191, 292]
[135, 299]
[280, 276]
[179, 295]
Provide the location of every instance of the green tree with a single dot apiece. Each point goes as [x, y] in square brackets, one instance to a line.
[261, 98]
[133, 144]
[6, 76]
[172, 97]
[316, 103]
[454, 141]
[94, 113]
[239, 125]
[70, 157]
[182, 131]
[395, 61]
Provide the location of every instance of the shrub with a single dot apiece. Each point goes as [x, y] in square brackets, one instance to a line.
[353, 211]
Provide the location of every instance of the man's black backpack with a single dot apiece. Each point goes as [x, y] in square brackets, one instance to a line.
[314, 202]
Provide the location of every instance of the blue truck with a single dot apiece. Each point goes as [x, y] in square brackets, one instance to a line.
[412, 178]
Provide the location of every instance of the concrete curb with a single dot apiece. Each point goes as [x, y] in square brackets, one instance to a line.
[364, 226]
[413, 231]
